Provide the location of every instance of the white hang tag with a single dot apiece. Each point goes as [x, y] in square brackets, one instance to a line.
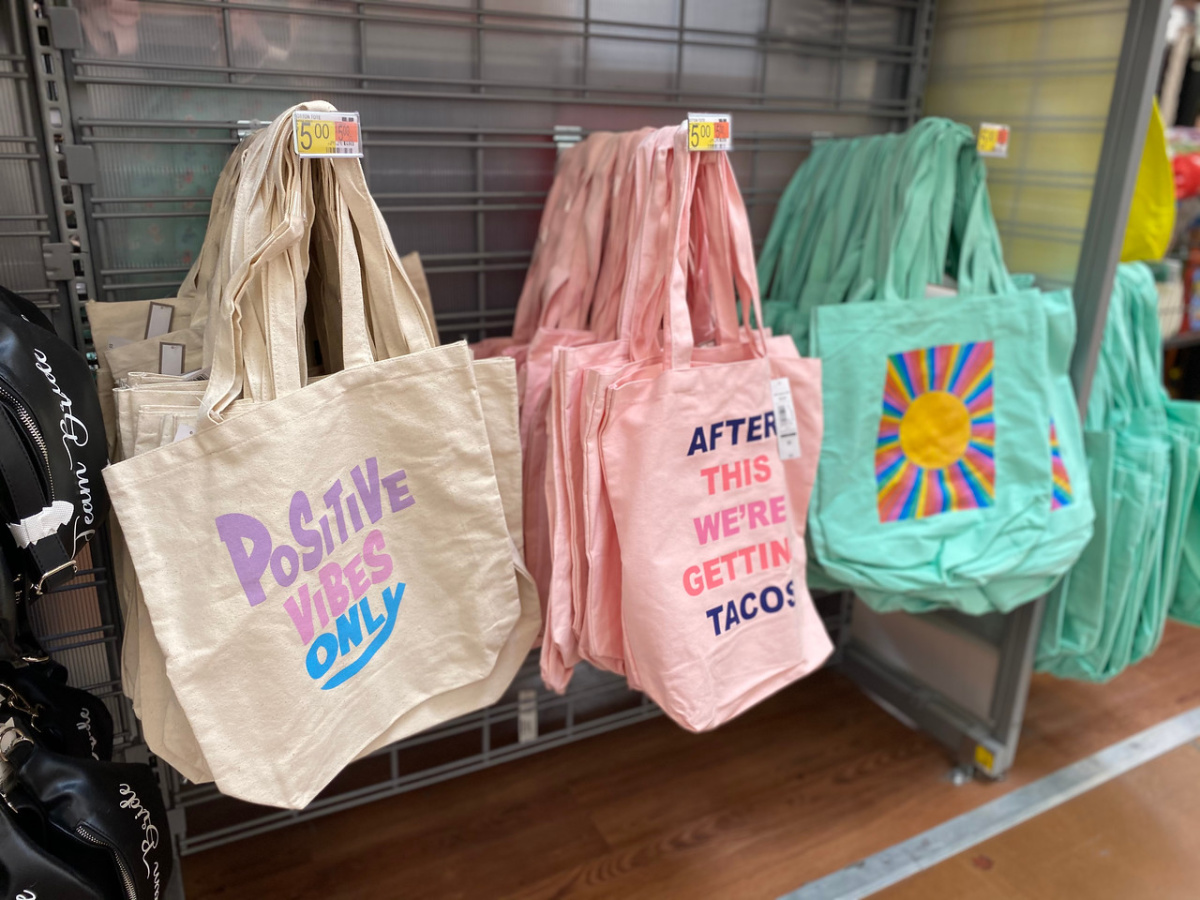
[326, 133]
[114, 342]
[183, 431]
[158, 319]
[785, 419]
[170, 358]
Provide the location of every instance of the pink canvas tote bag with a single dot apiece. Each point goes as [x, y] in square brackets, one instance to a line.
[709, 513]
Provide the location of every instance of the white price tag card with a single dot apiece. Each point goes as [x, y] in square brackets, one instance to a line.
[170, 358]
[992, 140]
[158, 319]
[184, 431]
[785, 419]
[710, 131]
[326, 133]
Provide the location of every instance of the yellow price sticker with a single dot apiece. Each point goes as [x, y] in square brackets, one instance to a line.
[326, 133]
[992, 140]
[709, 131]
[984, 758]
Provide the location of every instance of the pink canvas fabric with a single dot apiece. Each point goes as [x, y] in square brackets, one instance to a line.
[709, 519]
[583, 608]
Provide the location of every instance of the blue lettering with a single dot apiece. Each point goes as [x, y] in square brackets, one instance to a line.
[768, 424]
[731, 615]
[369, 620]
[748, 614]
[349, 630]
[317, 666]
[698, 443]
[791, 592]
[715, 430]
[753, 432]
[776, 607]
[715, 615]
[391, 603]
[736, 423]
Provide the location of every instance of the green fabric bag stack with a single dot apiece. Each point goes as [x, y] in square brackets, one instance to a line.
[952, 470]
[1144, 452]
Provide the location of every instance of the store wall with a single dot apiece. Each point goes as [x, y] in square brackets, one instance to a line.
[1046, 68]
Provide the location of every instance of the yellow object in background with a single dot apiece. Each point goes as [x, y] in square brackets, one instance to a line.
[1152, 213]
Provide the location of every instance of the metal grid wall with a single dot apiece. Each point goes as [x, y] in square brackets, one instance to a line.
[461, 104]
[76, 623]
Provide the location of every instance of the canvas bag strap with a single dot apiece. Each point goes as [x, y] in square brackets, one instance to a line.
[266, 223]
[398, 323]
[643, 293]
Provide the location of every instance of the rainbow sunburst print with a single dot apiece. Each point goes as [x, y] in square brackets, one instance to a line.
[936, 447]
[1062, 483]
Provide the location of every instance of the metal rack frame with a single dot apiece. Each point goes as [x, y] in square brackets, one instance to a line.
[472, 260]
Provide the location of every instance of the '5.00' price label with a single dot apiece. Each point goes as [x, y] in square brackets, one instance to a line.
[709, 131]
[326, 133]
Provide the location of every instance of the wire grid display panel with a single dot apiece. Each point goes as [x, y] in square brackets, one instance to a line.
[76, 623]
[459, 103]
[24, 220]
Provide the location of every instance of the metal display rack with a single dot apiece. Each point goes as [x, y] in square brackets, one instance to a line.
[112, 133]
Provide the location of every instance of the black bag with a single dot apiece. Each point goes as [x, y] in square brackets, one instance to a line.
[104, 820]
[66, 719]
[27, 872]
[52, 446]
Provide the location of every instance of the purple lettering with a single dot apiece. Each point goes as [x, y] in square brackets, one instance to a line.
[368, 489]
[333, 501]
[300, 514]
[250, 565]
[398, 496]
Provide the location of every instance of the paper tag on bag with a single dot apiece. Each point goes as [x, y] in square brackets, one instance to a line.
[170, 358]
[183, 431]
[158, 319]
[114, 342]
[709, 131]
[785, 419]
[326, 133]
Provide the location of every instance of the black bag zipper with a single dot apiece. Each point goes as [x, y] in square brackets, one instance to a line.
[126, 876]
[30, 426]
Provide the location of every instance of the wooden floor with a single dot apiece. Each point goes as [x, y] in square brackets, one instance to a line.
[1136, 836]
[808, 782]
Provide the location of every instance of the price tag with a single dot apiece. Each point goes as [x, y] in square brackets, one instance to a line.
[785, 419]
[710, 131]
[184, 431]
[984, 758]
[326, 133]
[170, 358]
[993, 140]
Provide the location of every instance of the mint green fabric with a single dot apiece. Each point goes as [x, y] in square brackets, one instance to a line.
[897, 564]
[1144, 451]
[877, 220]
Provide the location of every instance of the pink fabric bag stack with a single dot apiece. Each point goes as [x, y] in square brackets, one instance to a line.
[649, 535]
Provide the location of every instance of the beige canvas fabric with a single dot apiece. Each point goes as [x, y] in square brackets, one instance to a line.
[125, 321]
[383, 471]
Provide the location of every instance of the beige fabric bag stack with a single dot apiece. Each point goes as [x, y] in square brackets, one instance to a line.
[333, 561]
